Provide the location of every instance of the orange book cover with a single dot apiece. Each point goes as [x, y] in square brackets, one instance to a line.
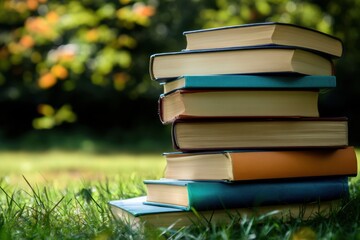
[260, 165]
[286, 164]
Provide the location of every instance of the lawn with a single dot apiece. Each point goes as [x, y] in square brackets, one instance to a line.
[64, 168]
[63, 195]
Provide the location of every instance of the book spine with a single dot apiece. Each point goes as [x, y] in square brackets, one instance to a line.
[220, 195]
[173, 137]
[160, 109]
[258, 82]
[151, 67]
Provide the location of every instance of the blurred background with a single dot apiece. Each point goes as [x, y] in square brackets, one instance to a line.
[74, 74]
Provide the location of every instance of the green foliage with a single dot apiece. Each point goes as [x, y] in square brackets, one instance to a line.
[51, 49]
[52, 42]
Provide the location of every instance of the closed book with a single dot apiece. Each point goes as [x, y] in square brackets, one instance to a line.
[242, 133]
[244, 81]
[184, 104]
[261, 165]
[248, 60]
[267, 33]
[209, 195]
[136, 214]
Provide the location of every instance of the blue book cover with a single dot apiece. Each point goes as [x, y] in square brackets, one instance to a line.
[206, 195]
[249, 82]
[134, 212]
[135, 207]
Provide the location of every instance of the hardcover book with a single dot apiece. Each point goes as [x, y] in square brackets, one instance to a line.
[210, 195]
[261, 165]
[134, 212]
[184, 104]
[243, 81]
[222, 134]
[249, 60]
[268, 33]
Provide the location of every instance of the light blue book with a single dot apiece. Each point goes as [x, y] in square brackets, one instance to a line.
[136, 214]
[249, 81]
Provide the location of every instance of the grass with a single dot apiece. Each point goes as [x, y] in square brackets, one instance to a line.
[63, 195]
[61, 169]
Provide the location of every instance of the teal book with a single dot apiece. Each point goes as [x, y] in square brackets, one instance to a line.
[249, 82]
[136, 214]
[208, 195]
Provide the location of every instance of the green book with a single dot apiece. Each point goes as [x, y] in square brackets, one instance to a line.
[249, 82]
[209, 195]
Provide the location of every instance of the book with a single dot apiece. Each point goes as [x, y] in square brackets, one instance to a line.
[136, 214]
[242, 133]
[260, 165]
[210, 195]
[268, 33]
[185, 104]
[243, 81]
[249, 60]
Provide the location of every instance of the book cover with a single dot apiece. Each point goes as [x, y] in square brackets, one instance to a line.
[209, 195]
[265, 33]
[261, 164]
[258, 133]
[232, 103]
[242, 60]
[244, 81]
[134, 212]
[135, 207]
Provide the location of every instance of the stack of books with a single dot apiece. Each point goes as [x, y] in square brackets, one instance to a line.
[242, 102]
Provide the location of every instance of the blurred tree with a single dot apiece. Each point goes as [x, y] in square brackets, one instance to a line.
[58, 57]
